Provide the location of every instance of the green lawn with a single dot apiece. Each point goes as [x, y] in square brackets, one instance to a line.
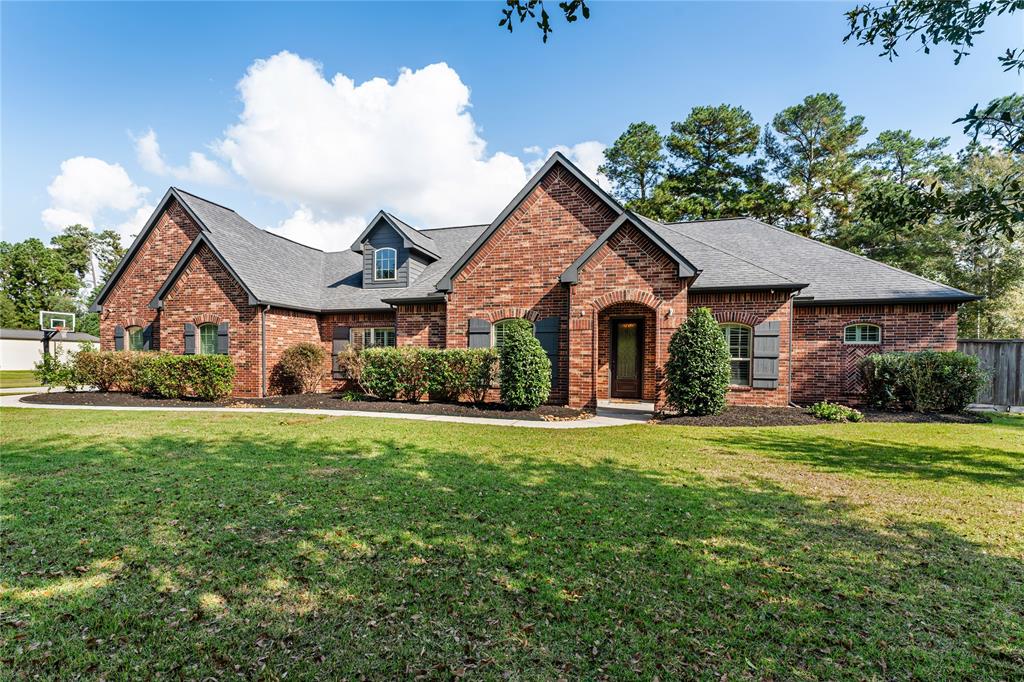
[218, 546]
[17, 378]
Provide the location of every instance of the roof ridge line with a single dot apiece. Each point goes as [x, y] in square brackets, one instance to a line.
[729, 253]
[857, 255]
[196, 196]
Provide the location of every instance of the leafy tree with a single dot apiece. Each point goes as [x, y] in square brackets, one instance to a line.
[524, 10]
[634, 163]
[709, 148]
[84, 250]
[812, 148]
[698, 365]
[33, 278]
[898, 156]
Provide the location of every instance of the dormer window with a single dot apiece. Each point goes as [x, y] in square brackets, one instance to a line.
[384, 264]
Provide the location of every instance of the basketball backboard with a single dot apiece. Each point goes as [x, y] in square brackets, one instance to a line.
[52, 321]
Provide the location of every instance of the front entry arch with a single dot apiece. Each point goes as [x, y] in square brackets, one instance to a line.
[626, 361]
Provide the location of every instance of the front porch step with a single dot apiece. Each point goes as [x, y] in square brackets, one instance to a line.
[625, 409]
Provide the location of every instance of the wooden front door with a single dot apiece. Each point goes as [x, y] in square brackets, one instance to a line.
[627, 358]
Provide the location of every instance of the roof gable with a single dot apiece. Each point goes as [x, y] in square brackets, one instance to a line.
[685, 267]
[557, 159]
[179, 268]
[172, 194]
[411, 237]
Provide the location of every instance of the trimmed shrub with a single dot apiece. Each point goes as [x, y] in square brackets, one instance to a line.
[455, 372]
[524, 367]
[303, 367]
[107, 370]
[208, 377]
[834, 412]
[698, 365]
[925, 381]
[381, 368]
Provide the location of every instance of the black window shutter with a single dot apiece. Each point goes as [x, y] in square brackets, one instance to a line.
[766, 355]
[546, 331]
[147, 337]
[479, 333]
[190, 339]
[222, 338]
[118, 337]
[340, 340]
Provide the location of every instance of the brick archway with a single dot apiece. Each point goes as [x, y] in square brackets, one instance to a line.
[207, 318]
[134, 322]
[730, 317]
[637, 296]
[497, 314]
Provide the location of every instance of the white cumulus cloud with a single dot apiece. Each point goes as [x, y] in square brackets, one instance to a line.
[200, 168]
[329, 235]
[90, 189]
[342, 150]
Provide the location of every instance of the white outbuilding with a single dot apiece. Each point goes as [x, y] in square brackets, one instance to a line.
[23, 348]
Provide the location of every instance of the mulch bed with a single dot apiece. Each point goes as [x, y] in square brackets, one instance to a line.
[792, 416]
[315, 401]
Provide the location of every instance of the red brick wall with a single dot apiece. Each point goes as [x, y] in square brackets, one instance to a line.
[826, 368]
[629, 274]
[752, 308]
[128, 302]
[516, 271]
[286, 328]
[421, 325]
[205, 292]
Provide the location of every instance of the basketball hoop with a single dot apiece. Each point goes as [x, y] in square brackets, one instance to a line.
[55, 324]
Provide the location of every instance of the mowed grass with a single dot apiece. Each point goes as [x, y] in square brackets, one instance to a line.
[140, 545]
[17, 378]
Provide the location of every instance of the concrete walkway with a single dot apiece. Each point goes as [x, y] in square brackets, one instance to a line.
[598, 421]
[23, 389]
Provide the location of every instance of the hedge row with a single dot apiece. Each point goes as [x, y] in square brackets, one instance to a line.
[208, 377]
[449, 374]
[925, 381]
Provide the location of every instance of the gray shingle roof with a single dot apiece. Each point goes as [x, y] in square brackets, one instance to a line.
[832, 274]
[37, 335]
[730, 254]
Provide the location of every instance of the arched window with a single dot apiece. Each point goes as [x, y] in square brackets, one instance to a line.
[135, 339]
[737, 337]
[862, 334]
[384, 264]
[498, 331]
[208, 339]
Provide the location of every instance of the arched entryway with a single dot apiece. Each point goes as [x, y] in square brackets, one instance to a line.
[627, 360]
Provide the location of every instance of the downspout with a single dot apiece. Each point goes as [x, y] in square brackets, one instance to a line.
[263, 351]
[789, 364]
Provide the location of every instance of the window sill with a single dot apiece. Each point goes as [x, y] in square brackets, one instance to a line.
[740, 389]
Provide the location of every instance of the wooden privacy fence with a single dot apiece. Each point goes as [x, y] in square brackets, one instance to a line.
[1003, 359]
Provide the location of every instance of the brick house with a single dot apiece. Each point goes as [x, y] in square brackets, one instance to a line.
[604, 287]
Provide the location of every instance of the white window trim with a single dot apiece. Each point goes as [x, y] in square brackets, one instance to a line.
[394, 254]
[750, 353]
[863, 343]
[372, 331]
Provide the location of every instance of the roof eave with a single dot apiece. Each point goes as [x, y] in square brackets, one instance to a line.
[777, 286]
[952, 298]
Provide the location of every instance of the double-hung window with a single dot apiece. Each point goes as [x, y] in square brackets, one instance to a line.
[737, 337]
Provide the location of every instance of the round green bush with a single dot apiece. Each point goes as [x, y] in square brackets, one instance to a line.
[525, 368]
[303, 367]
[698, 365]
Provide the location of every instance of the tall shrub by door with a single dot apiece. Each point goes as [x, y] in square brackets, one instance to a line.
[698, 365]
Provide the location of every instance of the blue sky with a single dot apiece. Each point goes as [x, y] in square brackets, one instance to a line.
[90, 81]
